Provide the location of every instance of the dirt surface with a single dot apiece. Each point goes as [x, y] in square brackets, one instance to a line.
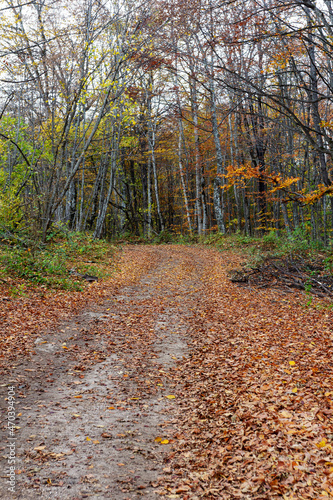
[90, 432]
[176, 383]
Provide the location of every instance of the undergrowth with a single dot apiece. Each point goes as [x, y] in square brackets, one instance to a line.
[292, 261]
[49, 265]
[271, 245]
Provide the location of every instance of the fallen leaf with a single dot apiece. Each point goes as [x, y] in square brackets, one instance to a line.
[322, 443]
[183, 489]
[106, 435]
[286, 414]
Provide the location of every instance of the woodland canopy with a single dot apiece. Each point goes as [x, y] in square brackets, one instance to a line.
[134, 117]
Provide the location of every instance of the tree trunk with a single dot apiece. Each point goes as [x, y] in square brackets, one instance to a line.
[218, 192]
[194, 108]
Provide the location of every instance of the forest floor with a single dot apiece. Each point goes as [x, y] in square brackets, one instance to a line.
[168, 380]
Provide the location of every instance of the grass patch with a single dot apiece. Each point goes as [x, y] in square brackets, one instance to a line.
[49, 265]
[256, 249]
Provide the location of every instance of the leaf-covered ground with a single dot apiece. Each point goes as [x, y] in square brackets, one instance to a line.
[250, 411]
[257, 407]
[25, 317]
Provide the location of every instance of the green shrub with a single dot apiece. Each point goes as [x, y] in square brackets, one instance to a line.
[164, 237]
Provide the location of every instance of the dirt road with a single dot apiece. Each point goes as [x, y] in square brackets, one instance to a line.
[177, 385]
[97, 432]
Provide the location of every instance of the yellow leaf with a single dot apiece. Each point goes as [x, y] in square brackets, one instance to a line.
[76, 415]
[96, 441]
[328, 394]
[170, 396]
[88, 439]
[294, 390]
[111, 408]
[165, 441]
[160, 385]
[322, 443]
[78, 396]
[64, 347]
[158, 439]
[292, 363]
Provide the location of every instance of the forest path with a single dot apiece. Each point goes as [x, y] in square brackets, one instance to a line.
[90, 433]
[248, 373]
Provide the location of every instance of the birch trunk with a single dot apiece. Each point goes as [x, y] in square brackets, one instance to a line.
[232, 157]
[149, 198]
[181, 140]
[151, 146]
[218, 192]
[105, 201]
[194, 108]
[182, 178]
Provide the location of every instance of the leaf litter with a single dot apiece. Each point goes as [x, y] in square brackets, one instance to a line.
[257, 420]
[249, 406]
